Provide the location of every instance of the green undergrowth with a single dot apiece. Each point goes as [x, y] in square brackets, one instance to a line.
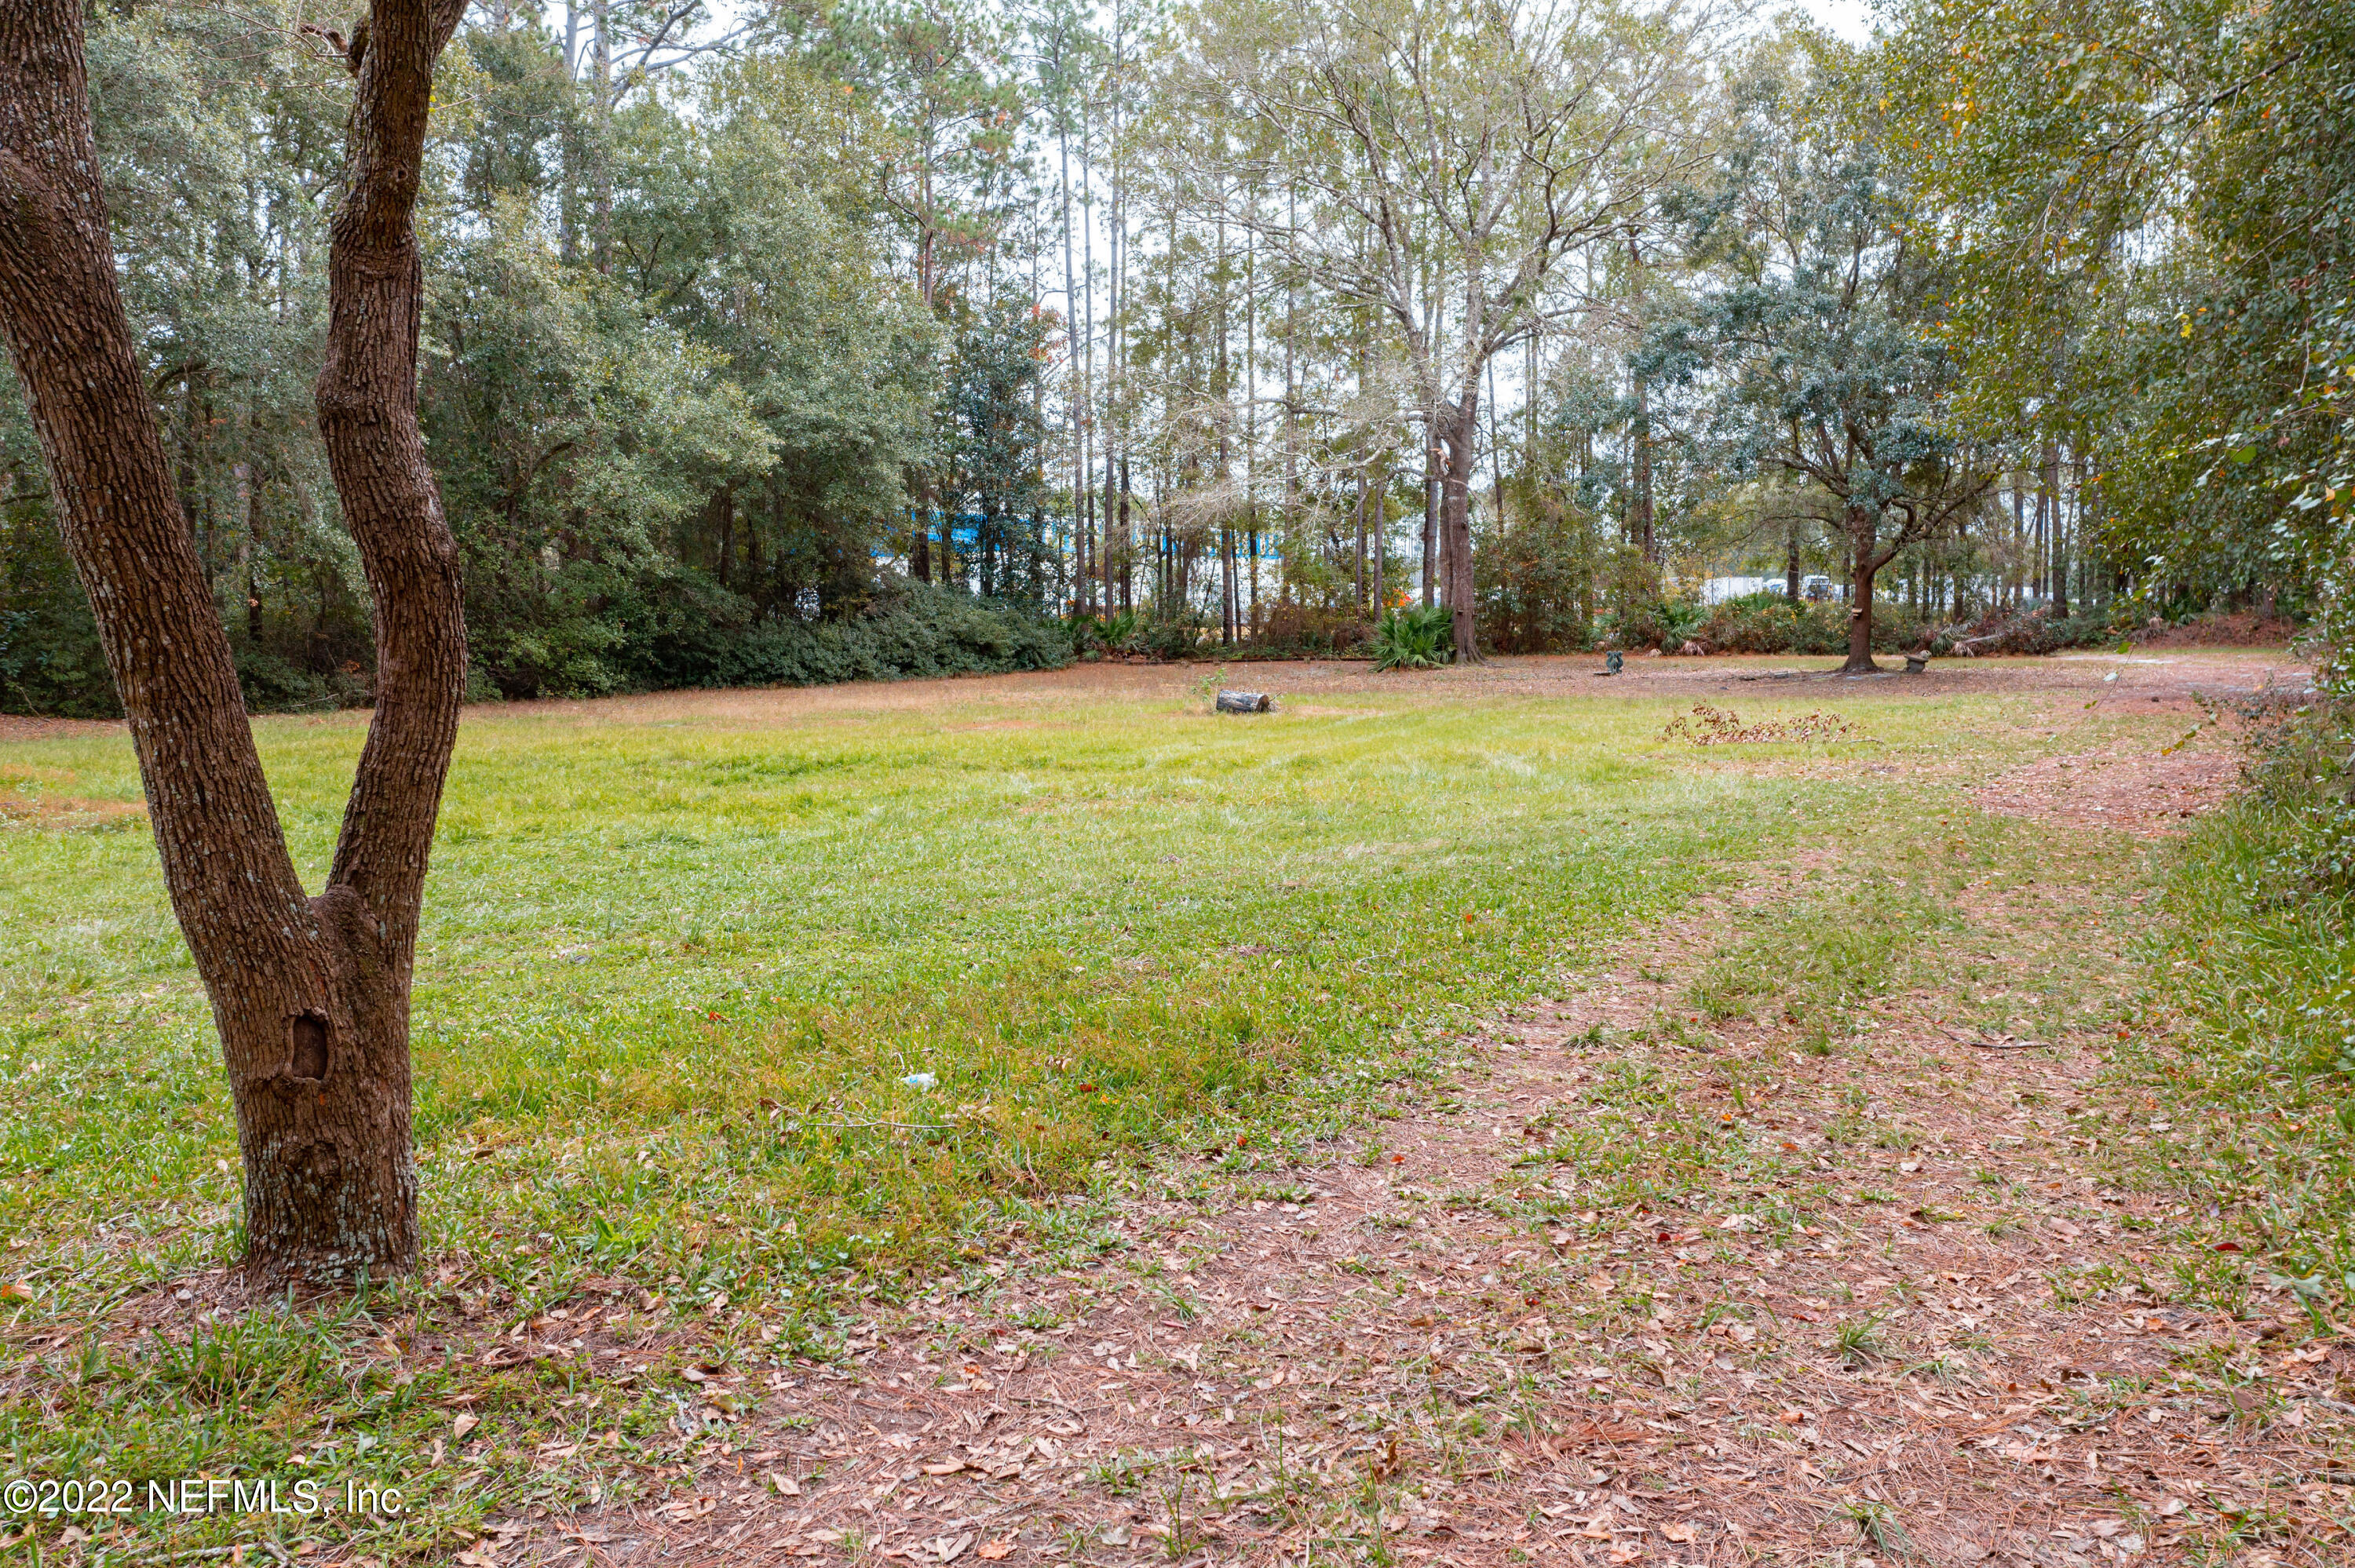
[2248, 1052]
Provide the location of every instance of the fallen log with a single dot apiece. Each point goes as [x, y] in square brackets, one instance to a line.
[1245, 703]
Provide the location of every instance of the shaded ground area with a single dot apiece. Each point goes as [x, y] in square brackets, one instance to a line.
[2243, 629]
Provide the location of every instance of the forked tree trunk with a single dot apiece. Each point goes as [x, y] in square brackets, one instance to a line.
[311, 995]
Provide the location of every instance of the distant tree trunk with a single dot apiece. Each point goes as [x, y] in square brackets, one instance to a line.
[1863, 564]
[1459, 430]
[1639, 516]
[725, 504]
[1226, 585]
[1127, 542]
[1640, 505]
[1585, 561]
[249, 503]
[1358, 558]
[2056, 554]
[2018, 536]
[1070, 330]
[568, 227]
[1430, 518]
[601, 132]
[1112, 552]
[2074, 556]
[1251, 543]
[310, 995]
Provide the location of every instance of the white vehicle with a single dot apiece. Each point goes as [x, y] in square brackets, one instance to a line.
[1717, 590]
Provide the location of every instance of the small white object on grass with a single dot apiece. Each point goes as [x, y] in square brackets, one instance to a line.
[920, 1081]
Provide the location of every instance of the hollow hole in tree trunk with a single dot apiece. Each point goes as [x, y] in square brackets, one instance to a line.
[308, 1059]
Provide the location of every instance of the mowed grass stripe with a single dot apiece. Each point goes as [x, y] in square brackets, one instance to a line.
[738, 939]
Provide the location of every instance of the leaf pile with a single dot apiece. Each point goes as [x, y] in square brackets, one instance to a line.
[1707, 725]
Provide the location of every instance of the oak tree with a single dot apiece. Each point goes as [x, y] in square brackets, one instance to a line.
[310, 994]
[1829, 373]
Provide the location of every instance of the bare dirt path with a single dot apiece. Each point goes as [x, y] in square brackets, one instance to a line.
[1682, 1269]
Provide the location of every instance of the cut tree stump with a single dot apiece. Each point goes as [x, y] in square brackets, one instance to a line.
[1245, 703]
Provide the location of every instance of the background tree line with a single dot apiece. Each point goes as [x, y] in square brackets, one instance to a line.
[870, 339]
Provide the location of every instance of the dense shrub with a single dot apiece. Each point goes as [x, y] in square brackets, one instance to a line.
[1667, 624]
[275, 684]
[1136, 631]
[51, 662]
[1101, 633]
[2301, 800]
[2035, 632]
[1291, 630]
[1304, 629]
[1769, 623]
[1172, 639]
[49, 658]
[2222, 628]
[1762, 623]
[914, 631]
[1415, 638]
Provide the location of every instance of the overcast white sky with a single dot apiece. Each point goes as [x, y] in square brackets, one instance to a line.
[1851, 19]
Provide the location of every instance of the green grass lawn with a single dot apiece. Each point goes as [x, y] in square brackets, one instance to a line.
[681, 959]
[669, 967]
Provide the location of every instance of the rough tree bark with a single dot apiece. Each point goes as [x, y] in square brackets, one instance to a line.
[1866, 558]
[1459, 429]
[311, 995]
